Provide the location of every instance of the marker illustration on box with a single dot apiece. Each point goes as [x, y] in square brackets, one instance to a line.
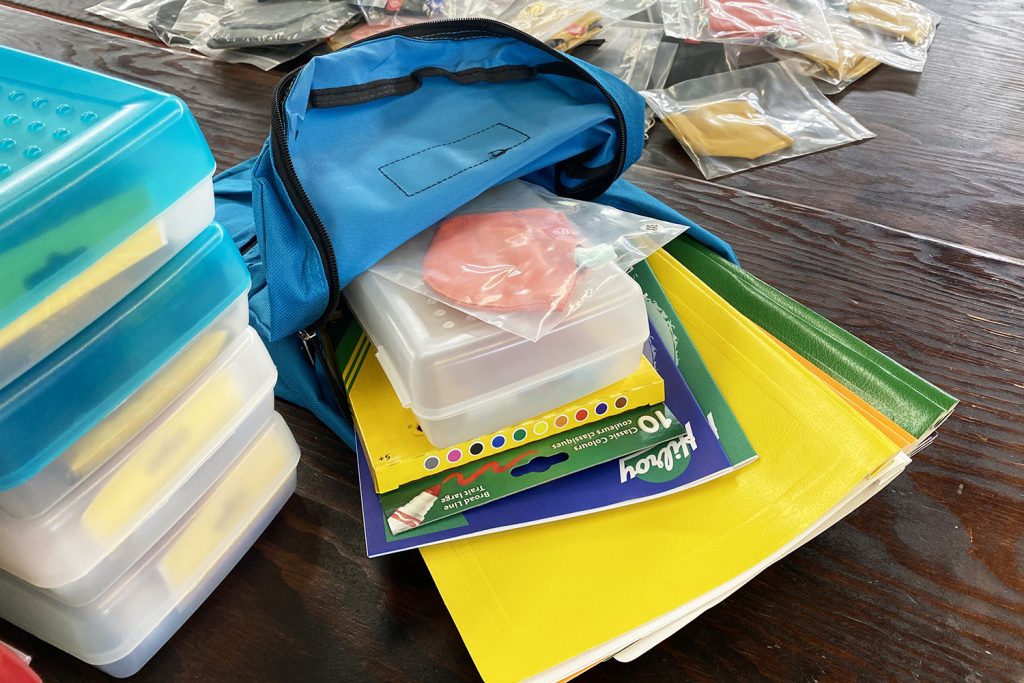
[423, 502]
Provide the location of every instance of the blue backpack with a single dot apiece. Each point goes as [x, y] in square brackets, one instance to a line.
[378, 141]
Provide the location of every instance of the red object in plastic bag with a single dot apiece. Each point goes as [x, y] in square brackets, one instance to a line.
[509, 260]
[13, 668]
[749, 19]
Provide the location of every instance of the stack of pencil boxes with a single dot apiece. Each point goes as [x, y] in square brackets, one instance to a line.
[140, 453]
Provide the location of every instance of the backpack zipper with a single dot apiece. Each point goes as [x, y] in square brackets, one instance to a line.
[314, 346]
[300, 200]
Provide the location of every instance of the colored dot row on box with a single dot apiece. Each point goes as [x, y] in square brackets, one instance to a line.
[43, 104]
[432, 462]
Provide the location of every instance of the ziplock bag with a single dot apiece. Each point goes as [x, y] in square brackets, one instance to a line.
[562, 24]
[736, 120]
[835, 75]
[135, 13]
[660, 68]
[522, 259]
[869, 33]
[393, 13]
[384, 15]
[252, 23]
[894, 32]
[797, 25]
[446, 110]
[628, 52]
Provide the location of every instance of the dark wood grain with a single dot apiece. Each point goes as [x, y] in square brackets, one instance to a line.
[925, 581]
[948, 161]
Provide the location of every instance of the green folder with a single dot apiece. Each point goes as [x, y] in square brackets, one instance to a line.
[720, 416]
[910, 401]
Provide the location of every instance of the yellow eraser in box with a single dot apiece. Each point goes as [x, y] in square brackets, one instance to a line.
[165, 451]
[233, 503]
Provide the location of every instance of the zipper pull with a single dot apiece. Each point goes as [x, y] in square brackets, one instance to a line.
[308, 339]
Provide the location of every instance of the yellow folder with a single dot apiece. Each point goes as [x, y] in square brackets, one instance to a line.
[527, 600]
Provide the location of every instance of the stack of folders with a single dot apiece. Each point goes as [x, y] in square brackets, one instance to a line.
[609, 467]
[141, 454]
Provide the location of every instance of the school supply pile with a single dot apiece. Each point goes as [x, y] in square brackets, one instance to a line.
[830, 419]
[141, 453]
[509, 365]
[468, 429]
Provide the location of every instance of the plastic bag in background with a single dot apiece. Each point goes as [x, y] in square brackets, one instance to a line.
[523, 259]
[567, 24]
[140, 14]
[741, 56]
[180, 22]
[903, 21]
[382, 15]
[562, 24]
[796, 25]
[635, 10]
[733, 121]
[628, 52]
[648, 15]
[851, 62]
[863, 40]
[664, 57]
[830, 79]
[252, 23]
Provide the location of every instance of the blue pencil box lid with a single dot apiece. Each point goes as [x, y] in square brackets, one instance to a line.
[61, 398]
[73, 140]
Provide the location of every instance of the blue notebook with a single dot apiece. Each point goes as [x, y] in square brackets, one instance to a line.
[627, 480]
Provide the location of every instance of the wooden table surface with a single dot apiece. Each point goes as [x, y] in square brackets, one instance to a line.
[913, 241]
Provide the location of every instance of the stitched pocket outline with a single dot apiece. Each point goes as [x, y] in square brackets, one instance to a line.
[431, 166]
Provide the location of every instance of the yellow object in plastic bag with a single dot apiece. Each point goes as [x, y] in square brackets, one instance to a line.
[730, 128]
[849, 64]
[166, 452]
[578, 32]
[900, 18]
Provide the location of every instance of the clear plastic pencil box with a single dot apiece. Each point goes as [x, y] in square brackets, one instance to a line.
[101, 183]
[80, 387]
[122, 628]
[78, 548]
[462, 377]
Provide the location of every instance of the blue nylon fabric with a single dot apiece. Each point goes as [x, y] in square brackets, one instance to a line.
[297, 291]
[548, 118]
[298, 381]
[630, 102]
